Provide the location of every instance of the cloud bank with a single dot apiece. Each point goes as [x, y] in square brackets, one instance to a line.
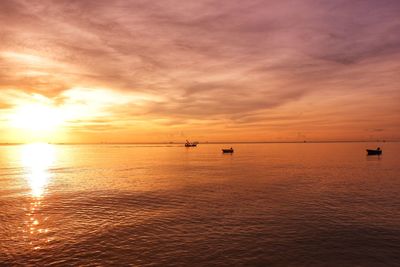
[268, 68]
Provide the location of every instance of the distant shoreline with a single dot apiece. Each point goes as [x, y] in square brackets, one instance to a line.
[216, 143]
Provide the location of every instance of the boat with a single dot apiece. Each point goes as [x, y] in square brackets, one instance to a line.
[377, 151]
[189, 144]
[227, 150]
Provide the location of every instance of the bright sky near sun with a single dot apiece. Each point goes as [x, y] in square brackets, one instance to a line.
[160, 71]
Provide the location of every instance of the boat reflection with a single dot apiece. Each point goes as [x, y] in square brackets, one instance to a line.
[37, 159]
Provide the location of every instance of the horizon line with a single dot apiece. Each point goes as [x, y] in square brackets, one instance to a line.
[206, 142]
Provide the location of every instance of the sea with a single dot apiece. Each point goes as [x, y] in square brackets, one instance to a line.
[272, 204]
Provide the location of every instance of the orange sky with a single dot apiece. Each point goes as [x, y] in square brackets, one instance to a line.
[159, 71]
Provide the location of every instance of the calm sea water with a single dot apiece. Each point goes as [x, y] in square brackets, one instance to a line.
[265, 205]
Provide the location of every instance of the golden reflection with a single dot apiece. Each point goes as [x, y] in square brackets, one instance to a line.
[37, 159]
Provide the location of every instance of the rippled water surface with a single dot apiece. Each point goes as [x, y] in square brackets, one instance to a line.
[265, 205]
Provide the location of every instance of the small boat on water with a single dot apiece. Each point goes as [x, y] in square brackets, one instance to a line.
[227, 150]
[189, 144]
[377, 151]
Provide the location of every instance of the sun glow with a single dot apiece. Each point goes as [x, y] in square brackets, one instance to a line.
[72, 115]
[36, 117]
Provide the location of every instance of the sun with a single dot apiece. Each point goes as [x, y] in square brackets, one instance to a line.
[36, 118]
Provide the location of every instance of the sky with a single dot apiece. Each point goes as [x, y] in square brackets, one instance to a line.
[167, 71]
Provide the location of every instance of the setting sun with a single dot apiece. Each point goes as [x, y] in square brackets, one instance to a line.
[36, 118]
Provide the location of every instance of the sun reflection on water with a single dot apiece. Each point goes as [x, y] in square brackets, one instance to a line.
[37, 159]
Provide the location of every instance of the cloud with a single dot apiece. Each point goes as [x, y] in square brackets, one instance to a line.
[202, 60]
